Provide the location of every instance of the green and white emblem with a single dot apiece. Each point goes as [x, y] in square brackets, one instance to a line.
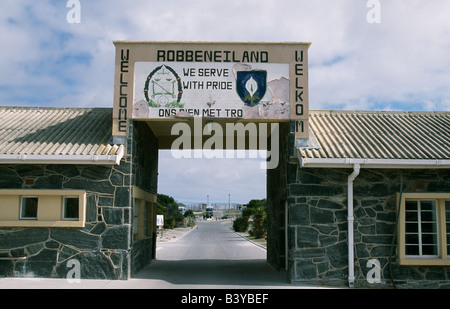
[163, 88]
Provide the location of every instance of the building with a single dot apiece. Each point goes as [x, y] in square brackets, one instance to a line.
[357, 198]
[371, 187]
[67, 192]
[365, 166]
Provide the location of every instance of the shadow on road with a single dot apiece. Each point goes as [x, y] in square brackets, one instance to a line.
[214, 272]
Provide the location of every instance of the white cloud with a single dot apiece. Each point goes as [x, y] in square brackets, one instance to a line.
[401, 63]
[404, 59]
[194, 179]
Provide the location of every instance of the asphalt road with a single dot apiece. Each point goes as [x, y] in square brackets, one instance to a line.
[208, 257]
[210, 240]
[212, 255]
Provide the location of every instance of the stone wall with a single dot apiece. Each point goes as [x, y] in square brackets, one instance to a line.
[101, 247]
[318, 225]
[144, 152]
[276, 198]
[104, 247]
[145, 157]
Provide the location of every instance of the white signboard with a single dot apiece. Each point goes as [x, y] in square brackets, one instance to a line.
[215, 90]
[160, 220]
[228, 80]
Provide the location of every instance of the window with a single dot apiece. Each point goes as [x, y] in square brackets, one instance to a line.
[421, 228]
[42, 208]
[144, 214]
[71, 206]
[447, 224]
[424, 229]
[135, 217]
[29, 208]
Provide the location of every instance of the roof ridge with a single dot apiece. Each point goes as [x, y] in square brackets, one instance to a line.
[37, 108]
[380, 135]
[54, 130]
[329, 112]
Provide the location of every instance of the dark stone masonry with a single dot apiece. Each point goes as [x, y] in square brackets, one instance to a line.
[318, 239]
[307, 219]
[104, 247]
[104, 238]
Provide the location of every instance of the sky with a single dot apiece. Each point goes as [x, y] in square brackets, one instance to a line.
[397, 58]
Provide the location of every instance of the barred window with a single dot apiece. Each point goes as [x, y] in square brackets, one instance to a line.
[424, 229]
[421, 228]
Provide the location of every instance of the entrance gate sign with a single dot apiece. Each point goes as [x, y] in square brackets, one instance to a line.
[216, 90]
[249, 81]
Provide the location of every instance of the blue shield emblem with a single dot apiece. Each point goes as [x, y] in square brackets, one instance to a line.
[251, 86]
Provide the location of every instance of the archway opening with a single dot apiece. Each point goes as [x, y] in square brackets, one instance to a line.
[225, 179]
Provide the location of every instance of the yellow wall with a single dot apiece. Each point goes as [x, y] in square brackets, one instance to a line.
[146, 213]
[49, 208]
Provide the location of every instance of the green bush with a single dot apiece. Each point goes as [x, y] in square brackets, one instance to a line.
[257, 210]
[259, 223]
[240, 224]
[167, 206]
[169, 222]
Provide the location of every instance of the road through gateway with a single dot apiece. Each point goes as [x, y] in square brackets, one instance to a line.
[212, 256]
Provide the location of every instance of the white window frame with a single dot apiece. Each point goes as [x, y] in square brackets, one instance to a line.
[22, 198]
[64, 199]
[419, 224]
[443, 236]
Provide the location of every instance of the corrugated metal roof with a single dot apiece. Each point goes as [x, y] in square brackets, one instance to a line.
[56, 131]
[379, 135]
[336, 134]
